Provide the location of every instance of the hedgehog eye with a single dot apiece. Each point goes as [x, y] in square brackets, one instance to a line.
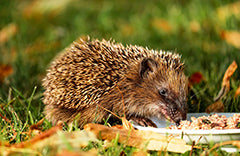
[163, 92]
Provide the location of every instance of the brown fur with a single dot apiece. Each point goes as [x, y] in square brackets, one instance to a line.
[93, 73]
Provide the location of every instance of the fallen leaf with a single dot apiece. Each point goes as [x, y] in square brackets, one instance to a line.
[140, 153]
[161, 24]
[139, 138]
[236, 143]
[225, 83]
[69, 153]
[17, 151]
[52, 138]
[77, 153]
[237, 92]
[218, 106]
[228, 10]
[5, 71]
[75, 139]
[35, 129]
[37, 125]
[215, 107]
[7, 32]
[195, 78]
[38, 138]
[231, 37]
[39, 135]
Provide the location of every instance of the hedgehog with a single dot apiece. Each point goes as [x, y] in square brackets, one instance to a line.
[93, 79]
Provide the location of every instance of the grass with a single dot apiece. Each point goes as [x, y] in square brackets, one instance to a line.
[192, 28]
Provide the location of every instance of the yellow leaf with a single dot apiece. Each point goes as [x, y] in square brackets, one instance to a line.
[229, 10]
[232, 38]
[7, 32]
[92, 152]
[226, 83]
[139, 138]
[218, 106]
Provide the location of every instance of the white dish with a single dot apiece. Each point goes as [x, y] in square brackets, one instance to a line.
[201, 136]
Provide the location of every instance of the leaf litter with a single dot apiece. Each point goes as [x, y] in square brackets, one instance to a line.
[54, 137]
[218, 105]
[139, 138]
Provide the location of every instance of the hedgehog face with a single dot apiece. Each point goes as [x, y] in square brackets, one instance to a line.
[162, 90]
[172, 95]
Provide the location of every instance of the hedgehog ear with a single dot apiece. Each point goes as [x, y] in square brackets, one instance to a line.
[147, 66]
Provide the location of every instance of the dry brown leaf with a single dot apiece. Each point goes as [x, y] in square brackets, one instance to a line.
[24, 147]
[5, 71]
[7, 32]
[229, 10]
[92, 152]
[8, 151]
[139, 139]
[237, 92]
[68, 153]
[218, 106]
[37, 125]
[35, 129]
[231, 37]
[236, 143]
[38, 138]
[225, 83]
[161, 24]
[76, 139]
[215, 107]
[140, 153]
[55, 138]
[229, 72]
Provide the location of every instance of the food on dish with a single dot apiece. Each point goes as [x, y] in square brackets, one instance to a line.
[214, 121]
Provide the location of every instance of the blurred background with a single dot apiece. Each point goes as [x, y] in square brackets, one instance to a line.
[206, 34]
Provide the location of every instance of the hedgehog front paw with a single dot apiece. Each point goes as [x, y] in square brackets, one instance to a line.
[145, 122]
